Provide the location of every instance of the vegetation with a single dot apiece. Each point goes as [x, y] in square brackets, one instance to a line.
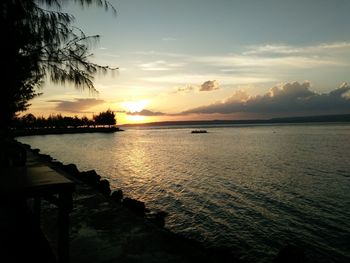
[105, 118]
[40, 42]
[29, 121]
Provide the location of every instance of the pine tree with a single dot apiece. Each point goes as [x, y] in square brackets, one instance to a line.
[38, 43]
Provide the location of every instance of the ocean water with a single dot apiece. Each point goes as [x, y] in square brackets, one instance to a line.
[254, 189]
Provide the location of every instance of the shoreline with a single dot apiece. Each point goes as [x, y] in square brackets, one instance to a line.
[97, 209]
[48, 131]
[105, 226]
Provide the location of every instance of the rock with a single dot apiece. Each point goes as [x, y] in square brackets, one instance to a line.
[158, 218]
[136, 206]
[27, 146]
[35, 151]
[45, 156]
[90, 177]
[57, 164]
[117, 196]
[103, 187]
[71, 169]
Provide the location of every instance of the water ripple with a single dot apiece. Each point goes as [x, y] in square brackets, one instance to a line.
[243, 187]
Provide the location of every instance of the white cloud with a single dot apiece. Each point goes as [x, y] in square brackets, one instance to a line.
[265, 62]
[160, 65]
[225, 79]
[272, 49]
[256, 64]
[266, 56]
[290, 98]
[285, 49]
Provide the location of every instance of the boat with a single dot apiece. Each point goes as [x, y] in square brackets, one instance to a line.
[199, 131]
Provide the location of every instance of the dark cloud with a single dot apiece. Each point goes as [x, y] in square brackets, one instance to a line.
[209, 85]
[292, 98]
[185, 89]
[147, 113]
[206, 86]
[78, 105]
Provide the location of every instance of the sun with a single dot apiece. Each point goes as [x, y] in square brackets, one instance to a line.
[135, 119]
[135, 106]
[132, 110]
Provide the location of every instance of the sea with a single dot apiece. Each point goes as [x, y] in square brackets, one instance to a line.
[251, 188]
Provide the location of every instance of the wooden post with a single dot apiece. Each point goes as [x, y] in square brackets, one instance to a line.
[64, 207]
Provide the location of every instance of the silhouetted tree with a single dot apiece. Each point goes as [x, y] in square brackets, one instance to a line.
[105, 118]
[85, 121]
[29, 121]
[39, 43]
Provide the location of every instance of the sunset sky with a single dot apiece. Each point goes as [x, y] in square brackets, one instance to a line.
[201, 59]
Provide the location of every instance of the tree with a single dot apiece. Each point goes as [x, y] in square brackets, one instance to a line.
[29, 120]
[105, 118]
[41, 43]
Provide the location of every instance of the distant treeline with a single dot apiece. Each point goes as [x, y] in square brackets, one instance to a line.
[29, 121]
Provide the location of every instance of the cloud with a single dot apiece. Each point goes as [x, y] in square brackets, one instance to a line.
[290, 98]
[209, 85]
[254, 61]
[185, 89]
[198, 78]
[77, 106]
[146, 113]
[160, 65]
[267, 57]
[287, 50]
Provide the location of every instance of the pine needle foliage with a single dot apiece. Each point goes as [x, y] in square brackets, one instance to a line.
[39, 41]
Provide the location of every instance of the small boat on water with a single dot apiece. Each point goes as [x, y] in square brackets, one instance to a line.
[199, 131]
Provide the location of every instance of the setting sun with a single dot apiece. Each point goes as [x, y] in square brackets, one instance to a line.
[135, 119]
[212, 131]
[135, 106]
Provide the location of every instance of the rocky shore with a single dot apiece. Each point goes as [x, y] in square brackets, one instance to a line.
[105, 226]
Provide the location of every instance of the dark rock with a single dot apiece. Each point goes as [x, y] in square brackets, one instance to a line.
[27, 146]
[71, 169]
[36, 151]
[57, 164]
[136, 206]
[45, 157]
[117, 196]
[103, 187]
[90, 177]
[158, 218]
[291, 254]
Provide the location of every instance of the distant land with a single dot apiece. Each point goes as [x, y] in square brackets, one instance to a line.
[45, 131]
[304, 119]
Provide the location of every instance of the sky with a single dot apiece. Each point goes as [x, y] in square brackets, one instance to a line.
[202, 60]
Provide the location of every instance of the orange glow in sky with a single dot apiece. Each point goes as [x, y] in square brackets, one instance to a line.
[135, 106]
[238, 72]
[135, 119]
